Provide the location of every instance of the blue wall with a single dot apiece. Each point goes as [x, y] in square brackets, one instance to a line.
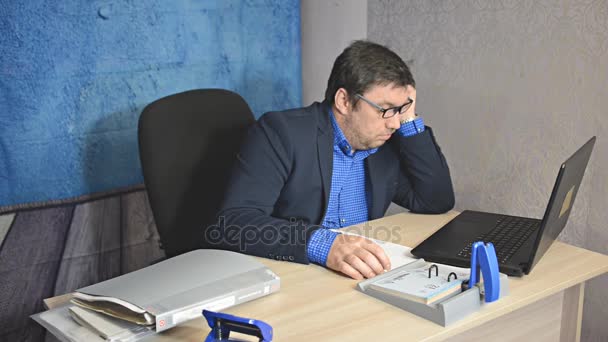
[74, 76]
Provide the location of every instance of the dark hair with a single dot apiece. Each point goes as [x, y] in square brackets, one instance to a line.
[364, 64]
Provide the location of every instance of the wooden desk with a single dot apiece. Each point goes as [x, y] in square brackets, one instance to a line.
[315, 304]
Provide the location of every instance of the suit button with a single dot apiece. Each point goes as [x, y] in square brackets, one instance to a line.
[291, 258]
[271, 255]
[278, 257]
[284, 257]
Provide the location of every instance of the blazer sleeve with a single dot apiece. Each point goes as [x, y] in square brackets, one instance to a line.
[424, 184]
[245, 221]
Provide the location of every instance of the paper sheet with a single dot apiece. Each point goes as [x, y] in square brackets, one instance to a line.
[399, 255]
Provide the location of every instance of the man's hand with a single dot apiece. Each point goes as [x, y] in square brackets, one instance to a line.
[410, 113]
[357, 257]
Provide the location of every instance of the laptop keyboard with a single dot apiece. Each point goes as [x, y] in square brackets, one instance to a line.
[507, 236]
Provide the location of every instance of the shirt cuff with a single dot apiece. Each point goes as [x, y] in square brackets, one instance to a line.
[412, 127]
[319, 245]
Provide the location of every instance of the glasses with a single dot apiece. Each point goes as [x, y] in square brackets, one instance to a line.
[388, 112]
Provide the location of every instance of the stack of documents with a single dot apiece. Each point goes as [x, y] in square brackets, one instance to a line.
[164, 295]
[61, 323]
[111, 329]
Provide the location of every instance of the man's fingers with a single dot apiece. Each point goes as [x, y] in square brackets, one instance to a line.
[350, 271]
[370, 259]
[379, 253]
[357, 257]
[358, 264]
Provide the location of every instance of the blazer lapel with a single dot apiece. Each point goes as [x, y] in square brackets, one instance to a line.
[376, 171]
[325, 140]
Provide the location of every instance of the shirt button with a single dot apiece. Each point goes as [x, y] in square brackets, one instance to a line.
[343, 220]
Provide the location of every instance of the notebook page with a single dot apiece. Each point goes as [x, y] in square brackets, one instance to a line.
[399, 255]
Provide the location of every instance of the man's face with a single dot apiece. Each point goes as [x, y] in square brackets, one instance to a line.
[364, 126]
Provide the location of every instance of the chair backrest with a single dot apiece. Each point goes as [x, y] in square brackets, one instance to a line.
[187, 146]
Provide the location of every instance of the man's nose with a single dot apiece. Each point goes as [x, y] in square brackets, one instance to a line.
[394, 122]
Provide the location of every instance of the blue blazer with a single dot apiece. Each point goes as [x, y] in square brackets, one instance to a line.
[279, 188]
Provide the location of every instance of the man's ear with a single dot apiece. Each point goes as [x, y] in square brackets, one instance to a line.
[342, 102]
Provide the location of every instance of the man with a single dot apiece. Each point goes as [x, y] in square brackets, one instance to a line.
[335, 164]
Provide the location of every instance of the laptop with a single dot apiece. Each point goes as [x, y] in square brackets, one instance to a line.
[519, 241]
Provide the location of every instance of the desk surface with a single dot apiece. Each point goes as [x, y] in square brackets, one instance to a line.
[317, 304]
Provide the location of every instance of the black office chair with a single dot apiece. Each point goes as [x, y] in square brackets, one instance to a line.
[187, 145]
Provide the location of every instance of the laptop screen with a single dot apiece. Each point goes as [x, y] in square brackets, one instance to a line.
[562, 198]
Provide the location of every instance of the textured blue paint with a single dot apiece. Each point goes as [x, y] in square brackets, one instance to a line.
[74, 76]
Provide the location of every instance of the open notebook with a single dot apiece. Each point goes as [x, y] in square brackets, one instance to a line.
[398, 254]
[412, 282]
[422, 284]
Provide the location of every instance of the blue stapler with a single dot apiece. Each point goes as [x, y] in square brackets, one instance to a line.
[483, 256]
[222, 324]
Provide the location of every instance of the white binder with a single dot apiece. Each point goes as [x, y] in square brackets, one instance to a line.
[178, 289]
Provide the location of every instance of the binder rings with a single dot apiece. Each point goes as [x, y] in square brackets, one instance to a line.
[448, 310]
[420, 286]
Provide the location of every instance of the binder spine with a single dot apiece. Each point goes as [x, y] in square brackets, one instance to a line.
[170, 319]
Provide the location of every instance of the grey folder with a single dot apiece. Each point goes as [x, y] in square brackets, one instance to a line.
[178, 289]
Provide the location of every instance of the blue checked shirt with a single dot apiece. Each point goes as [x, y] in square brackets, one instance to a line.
[348, 198]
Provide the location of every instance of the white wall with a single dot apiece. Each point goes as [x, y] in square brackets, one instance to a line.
[327, 28]
[511, 89]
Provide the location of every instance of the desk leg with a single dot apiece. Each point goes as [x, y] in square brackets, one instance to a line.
[572, 313]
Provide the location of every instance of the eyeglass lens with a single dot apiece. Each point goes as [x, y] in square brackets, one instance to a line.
[396, 110]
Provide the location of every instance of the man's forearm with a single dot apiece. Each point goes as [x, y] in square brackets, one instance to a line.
[251, 231]
[425, 185]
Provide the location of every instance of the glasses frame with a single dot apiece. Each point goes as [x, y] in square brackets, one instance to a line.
[396, 110]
